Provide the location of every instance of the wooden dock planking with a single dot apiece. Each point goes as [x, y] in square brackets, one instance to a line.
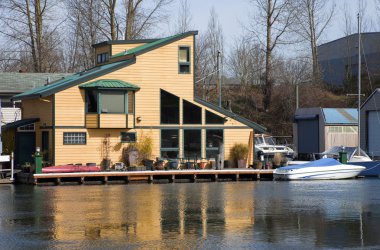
[154, 176]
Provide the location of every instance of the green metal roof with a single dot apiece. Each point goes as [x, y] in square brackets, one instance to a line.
[90, 74]
[152, 45]
[73, 80]
[110, 84]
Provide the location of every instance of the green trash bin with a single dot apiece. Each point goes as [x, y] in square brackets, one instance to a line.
[343, 157]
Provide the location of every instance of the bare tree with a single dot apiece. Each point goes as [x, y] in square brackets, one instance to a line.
[29, 28]
[207, 48]
[272, 23]
[184, 17]
[141, 16]
[313, 18]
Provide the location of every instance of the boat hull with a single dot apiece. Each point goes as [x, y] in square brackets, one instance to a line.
[69, 169]
[334, 172]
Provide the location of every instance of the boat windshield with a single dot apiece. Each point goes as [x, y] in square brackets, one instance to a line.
[259, 140]
[351, 151]
[269, 141]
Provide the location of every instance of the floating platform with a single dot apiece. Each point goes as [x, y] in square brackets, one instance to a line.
[159, 176]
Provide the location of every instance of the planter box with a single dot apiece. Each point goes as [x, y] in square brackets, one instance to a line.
[137, 168]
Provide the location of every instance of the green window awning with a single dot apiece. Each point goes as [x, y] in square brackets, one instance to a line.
[110, 84]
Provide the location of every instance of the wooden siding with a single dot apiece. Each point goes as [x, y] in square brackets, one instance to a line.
[70, 107]
[113, 121]
[91, 120]
[117, 48]
[92, 151]
[232, 136]
[38, 108]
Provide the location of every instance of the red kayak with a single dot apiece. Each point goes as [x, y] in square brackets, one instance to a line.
[70, 169]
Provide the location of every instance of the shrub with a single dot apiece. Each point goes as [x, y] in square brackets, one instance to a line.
[239, 152]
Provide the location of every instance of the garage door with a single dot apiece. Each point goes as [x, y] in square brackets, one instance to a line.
[308, 136]
[374, 133]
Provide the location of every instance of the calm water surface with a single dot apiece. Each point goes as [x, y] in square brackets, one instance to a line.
[231, 215]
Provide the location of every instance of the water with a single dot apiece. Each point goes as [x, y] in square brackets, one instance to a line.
[230, 215]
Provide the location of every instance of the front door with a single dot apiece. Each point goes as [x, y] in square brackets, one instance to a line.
[25, 147]
[45, 145]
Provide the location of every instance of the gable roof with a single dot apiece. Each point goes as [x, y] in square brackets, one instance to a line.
[110, 84]
[249, 123]
[340, 116]
[14, 82]
[73, 80]
[154, 44]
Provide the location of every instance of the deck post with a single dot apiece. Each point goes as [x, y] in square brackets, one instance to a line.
[12, 167]
[236, 177]
[58, 181]
[194, 178]
[81, 180]
[150, 180]
[105, 180]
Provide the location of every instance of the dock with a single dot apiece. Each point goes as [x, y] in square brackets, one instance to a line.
[159, 176]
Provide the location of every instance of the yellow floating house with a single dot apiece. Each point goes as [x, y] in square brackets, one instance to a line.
[137, 88]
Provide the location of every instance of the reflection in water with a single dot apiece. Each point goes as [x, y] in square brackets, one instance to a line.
[201, 215]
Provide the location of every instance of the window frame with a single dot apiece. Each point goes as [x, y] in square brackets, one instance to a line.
[98, 93]
[179, 108]
[212, 148]
[212, 113]
[183, 113]
[183, 142]
[102, 58]
[73, 133]
[131, 141]
[188, 63]
[170, 149]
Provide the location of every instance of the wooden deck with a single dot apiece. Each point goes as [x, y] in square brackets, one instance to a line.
[154, 176]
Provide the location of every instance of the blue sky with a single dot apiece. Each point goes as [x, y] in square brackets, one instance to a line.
[232, 13]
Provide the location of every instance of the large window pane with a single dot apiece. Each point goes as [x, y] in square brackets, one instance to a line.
[112, 102]
[91, 101]
[192, 114]
[213, 138]
[169, 108]
[192, 145]
[212, 118]
[170, 143]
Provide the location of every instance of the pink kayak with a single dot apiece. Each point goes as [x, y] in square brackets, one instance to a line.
[70, 169]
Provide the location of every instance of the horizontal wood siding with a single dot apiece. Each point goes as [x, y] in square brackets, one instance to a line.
[92, 151]
[91, 120]
[38, 108]
[70, 107]
[113, 121]
[233, 136]
[130, 121]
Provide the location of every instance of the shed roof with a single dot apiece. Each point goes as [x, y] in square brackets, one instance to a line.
[73, 80]
[340, 115]
[152, 45]
[12, 82]
[110, 84]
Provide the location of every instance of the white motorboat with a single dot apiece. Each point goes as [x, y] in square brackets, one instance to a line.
[266, 145]
[323, 169]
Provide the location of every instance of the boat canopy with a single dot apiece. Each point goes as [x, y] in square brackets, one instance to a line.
[324, 162]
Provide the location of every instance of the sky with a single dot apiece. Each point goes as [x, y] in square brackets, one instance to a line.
[233, 14]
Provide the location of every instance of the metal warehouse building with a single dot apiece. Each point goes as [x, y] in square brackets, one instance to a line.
[317, 129]
[370, 124]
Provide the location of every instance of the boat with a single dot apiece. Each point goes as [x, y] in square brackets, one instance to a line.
[323, 169]
[265, 145]
[70, 169]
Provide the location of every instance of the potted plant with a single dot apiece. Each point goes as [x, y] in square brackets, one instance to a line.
[277, 160]
[238, 154]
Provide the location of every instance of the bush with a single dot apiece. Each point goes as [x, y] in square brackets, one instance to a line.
[239, 152]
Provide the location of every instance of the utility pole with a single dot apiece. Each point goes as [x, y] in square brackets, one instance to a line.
[359, 80]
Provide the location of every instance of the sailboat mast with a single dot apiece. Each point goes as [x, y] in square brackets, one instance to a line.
[359, 79]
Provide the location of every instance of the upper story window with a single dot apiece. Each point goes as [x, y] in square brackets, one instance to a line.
[109, 101]
[112, 102]
[169, 108]
[184, 60]
[102, 57]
